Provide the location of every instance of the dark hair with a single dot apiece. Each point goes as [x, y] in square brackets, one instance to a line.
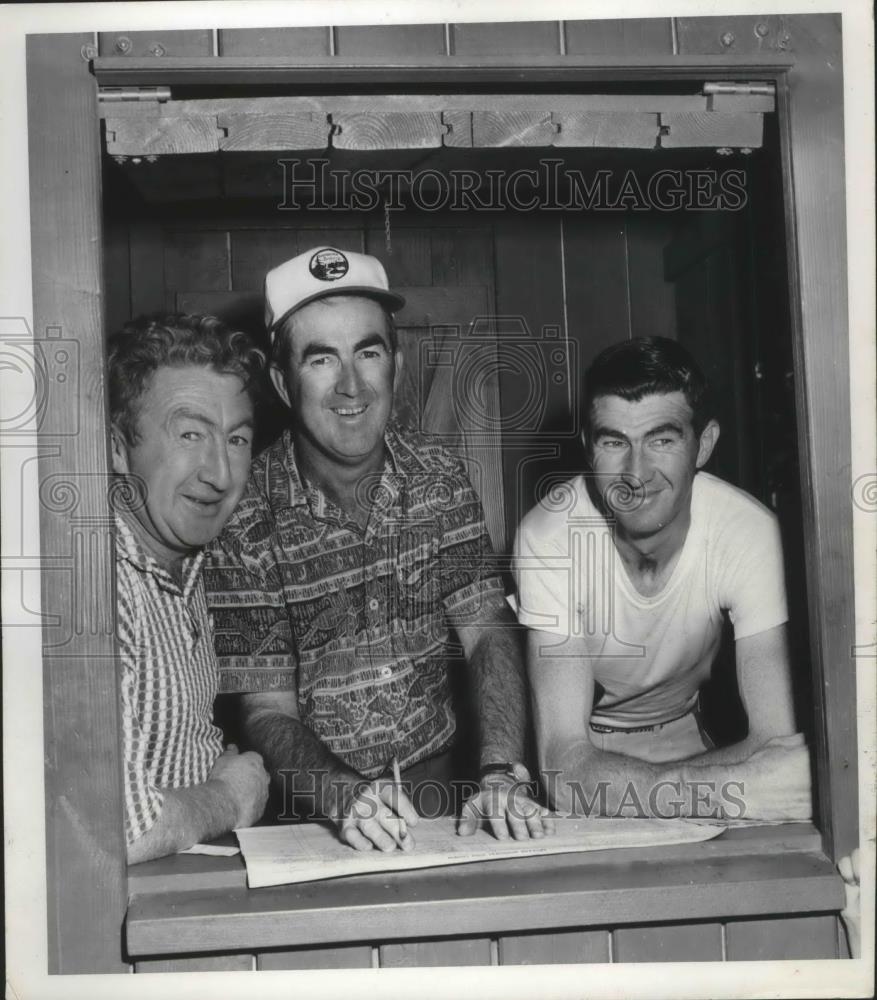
[648, 366]
[174, 340]
[280, 354]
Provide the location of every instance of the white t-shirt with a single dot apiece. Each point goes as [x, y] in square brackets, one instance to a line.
[650, 654]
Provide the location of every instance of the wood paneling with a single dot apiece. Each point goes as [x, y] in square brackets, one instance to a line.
[732, 36]
[357, 956]
[196, 260]
[780, 939]
[447, 951]
[85, 848]
[710, 128]
[274, 41]
[652, 298]
[668, 943]
[813, 161]
[506, 38]
[630, 37]
[201, 963]
[389, 39]
[390, 130]
[158, 43]
[556, 948]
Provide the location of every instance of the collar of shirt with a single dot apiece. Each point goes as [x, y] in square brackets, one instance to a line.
[129, 549]
[387, 493]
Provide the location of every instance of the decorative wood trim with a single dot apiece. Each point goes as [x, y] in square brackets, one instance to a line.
[85, 847]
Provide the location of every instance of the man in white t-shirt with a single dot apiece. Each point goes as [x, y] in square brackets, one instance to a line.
[624, 575]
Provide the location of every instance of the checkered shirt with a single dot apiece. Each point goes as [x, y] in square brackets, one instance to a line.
[355, 622]
[168, 679]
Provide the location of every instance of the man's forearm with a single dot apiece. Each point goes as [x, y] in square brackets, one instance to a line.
[188, 815]
[301, 764]
[597, 782]
[497, 669]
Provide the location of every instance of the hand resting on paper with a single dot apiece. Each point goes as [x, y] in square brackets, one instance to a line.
[378, 815]
[506, 806]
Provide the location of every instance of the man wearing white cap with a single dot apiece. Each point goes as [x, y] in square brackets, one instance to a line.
[356, 547]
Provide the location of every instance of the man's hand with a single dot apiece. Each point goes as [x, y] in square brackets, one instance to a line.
[506, 804]
[244, 780]
[378, 816]
[776, 780]
[851, 914]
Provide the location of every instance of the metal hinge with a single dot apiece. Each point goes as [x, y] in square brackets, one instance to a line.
[116, 94]
[766, 89]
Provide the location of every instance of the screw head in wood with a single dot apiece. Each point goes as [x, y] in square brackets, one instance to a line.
[88, 51]
[123, 44]
[727, 39]
[762, 29]
[157, 49]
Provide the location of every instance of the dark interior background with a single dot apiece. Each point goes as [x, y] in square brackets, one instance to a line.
[197, 234]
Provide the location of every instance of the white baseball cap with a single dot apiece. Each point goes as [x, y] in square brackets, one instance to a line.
[323, 271]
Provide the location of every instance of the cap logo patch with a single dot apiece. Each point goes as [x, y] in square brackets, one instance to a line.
[328, 265]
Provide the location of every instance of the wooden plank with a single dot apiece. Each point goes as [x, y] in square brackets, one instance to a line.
[519, 895]
[392, 130]
[732, 36]
[781, 939]
[556, 948]
[156, 136]
[146, 244]
[251, 132]
[255, 251]
[512, 128]
[435, 952]
[631, 36]
[710, 128]
[458, 128]
[196, 260]
[200, 963]
[85, 848]
[651, 297]
[305, 41]
[488, 71]
[518, 38]
[357, 956]
[462, 256]
[645, 103]
[431, 306]
[668, 943]
[243, 309]
[604, 128]
[816, 240]
[180, 873]
[410, 262]
[389, 39]
[155, 44]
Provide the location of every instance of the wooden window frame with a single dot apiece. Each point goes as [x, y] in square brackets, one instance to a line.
[85, 845]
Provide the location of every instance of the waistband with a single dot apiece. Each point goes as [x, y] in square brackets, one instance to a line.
[599, 727]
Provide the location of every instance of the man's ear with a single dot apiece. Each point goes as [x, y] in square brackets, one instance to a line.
[398, 361]
[278, 380]
[708, 437]
[118, 451]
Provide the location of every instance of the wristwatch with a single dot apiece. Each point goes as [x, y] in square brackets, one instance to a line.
[511, 769]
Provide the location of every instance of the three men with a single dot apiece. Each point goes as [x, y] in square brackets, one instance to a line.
[181, 408]
[623, 586]
[355, 549]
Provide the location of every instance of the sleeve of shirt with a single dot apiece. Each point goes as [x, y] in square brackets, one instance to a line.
[753, 586]
[143, 799]
[468, 568]
[543, 579]
[252, 637]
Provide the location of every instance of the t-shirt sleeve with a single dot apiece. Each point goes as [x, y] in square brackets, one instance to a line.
[143, 799]
[252, 637]
[753, 586]
[468, 566]
[542, 570]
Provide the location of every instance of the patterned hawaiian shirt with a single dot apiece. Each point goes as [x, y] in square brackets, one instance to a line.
[168, 679]
[356, 622]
